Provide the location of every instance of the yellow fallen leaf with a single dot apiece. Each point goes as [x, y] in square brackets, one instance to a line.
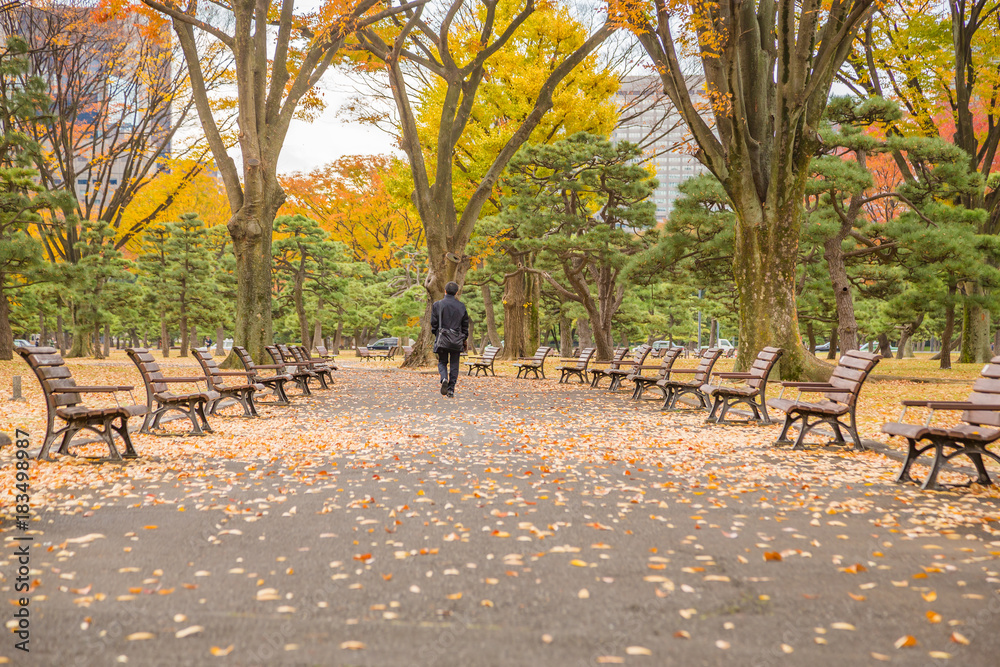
[859, 598]
[455, 596]
[723, 644]
[352, 645]
[610, 660]
[137, 636]
[959, 638]
[906, 641]
[486, 603]
[716, 577]
[682, 634]
[785, 648]
[150, 527]
[583, 594]
[819, 640]
[933, 617]
[187, 632]
[880, 656]
[578, 563]
[221, 652]
[772, 555]
[842, 626]
[930, 596]
[942, 655]
[638, 650]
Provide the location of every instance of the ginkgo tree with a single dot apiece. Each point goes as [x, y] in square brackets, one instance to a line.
[768, 69]
[280, 51]
[457, 46]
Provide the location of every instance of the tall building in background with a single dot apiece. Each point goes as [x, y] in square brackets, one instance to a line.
[650, 120]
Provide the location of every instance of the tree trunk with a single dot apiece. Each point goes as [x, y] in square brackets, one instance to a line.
[905, 349]
[338, 338]
[61, 335]
[586, 336]
[185, 331]
[949, 328]
[42, 333]
[106, 347]
[843, 296]
[514, 326]
[96, 344]
[955, 344]
[317, 338]
[996, 342]
[251, 228]
[6, 334]
[164, 338]
[975, 329]
[533, 284]
[713, 332]
[764, 261]
[834, 342]
[194, 336]
[134, 337]
[491, 321]
[81, 346]
[884, 346]
[565, 336]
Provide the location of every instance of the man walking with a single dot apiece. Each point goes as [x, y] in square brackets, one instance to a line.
[450, 328]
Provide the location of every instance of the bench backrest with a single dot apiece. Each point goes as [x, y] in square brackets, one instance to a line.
[850, 374]
[541, 353]
[321, 350]
[298, 352]
[639, 357]
[275, 354]
[671, 355]
[703, 371]
[245, 358]
[762, 365]
[363, 351]
[148, 369]
[210, 368]
[584, 359]
[286, 354]
[985, 390]
[618, 357]
[490, 354]
[51, 371]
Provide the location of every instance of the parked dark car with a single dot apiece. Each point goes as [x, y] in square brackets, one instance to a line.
[384, 344]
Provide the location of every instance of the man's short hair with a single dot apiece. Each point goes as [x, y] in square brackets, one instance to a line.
[451, 288]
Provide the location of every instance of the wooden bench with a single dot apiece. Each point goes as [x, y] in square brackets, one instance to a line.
[276, 383]
[535, 364]
[300, 376]
[840, 399]
[242, 392]
[981, 428]
[579, 369]
[673, 388]
[160, 400]
[753, 392]
[293, 357]
[323, 354]
[63, 400]
[598, 374]
[301, 352]
[642, 382]
[484, 362]
[631, 368]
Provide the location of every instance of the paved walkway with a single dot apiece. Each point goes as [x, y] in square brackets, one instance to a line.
[521, 523]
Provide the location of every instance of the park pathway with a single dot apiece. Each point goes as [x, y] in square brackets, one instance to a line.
[521, 523]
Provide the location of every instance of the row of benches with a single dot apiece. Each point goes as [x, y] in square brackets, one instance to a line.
[63, 397]
[836, 408]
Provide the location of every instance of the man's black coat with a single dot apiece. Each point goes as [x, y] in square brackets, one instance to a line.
[449, 318]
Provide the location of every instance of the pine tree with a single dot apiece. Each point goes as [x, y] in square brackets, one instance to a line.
[187, 277]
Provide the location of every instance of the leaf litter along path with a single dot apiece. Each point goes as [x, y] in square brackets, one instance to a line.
[520, 523]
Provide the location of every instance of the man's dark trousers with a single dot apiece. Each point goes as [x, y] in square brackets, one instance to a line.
[446, 357]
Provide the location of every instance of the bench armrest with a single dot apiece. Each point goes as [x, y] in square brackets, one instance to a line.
[734, 376]
[654, 367]
[244, 373]
[953, 405]
[683, 370]
[271, 366]
[188, 380]
[813, 386]
[91, 389]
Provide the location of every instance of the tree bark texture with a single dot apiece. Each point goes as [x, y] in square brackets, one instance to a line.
[6, 334]
[491, 320]
[834, 342]
[220, 337]
[586, 335]
[514, 316]
[975, 327]
[164, 338]
[60, 336]
[949, 329]
[565, 336]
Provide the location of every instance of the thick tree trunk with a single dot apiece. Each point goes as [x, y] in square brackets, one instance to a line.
[834, 342]
[338, 338]
[996, 342]
[565, 336]
[975, 329]
[514, 324]
[317, 338]
[491, 320]
[6, 334]
[164, 338]
[586, 335]
[949, 329]
[764, 264]
[220, 337]
[713, 333]
[194, 336]
[884, 346]
[811, 337]
[96, 344]
[250, 229]
[955, 344]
